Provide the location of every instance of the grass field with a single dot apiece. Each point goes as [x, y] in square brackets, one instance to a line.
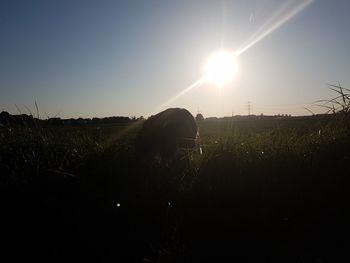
[269, 190]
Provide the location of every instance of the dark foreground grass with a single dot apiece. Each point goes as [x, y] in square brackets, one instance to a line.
[263, 190]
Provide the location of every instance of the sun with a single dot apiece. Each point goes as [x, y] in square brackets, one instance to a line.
[220, 68]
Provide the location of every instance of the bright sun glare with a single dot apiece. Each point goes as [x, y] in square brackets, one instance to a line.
[220, 67]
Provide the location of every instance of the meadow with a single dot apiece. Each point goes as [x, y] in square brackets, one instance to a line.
[266, 189]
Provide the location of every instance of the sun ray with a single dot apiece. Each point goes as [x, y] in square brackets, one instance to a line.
[253, 40]
[196, 84]
[282, 9]
[296, 10]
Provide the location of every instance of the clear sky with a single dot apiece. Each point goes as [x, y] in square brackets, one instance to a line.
[104, 58]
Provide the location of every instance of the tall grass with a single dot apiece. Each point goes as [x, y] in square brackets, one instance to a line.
[340, 103]
[276, 186]
[27, 152]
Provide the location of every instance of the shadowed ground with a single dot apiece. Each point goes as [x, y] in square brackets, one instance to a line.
[264, 190]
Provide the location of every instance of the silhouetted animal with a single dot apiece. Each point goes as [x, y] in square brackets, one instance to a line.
[164, 134]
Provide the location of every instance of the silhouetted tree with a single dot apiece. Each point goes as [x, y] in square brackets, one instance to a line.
[199, 117]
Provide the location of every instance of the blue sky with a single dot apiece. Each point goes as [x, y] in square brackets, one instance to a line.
[103, 58]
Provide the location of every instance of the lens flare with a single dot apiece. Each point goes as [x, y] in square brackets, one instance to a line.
[221, 67]
[275, 24]
[195, 84]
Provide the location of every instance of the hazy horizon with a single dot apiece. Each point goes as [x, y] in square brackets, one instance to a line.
[121, 58]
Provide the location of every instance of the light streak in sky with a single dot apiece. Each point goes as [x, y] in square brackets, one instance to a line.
[181, 93]
[296, 10]
[286, 12]
[282, 9]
